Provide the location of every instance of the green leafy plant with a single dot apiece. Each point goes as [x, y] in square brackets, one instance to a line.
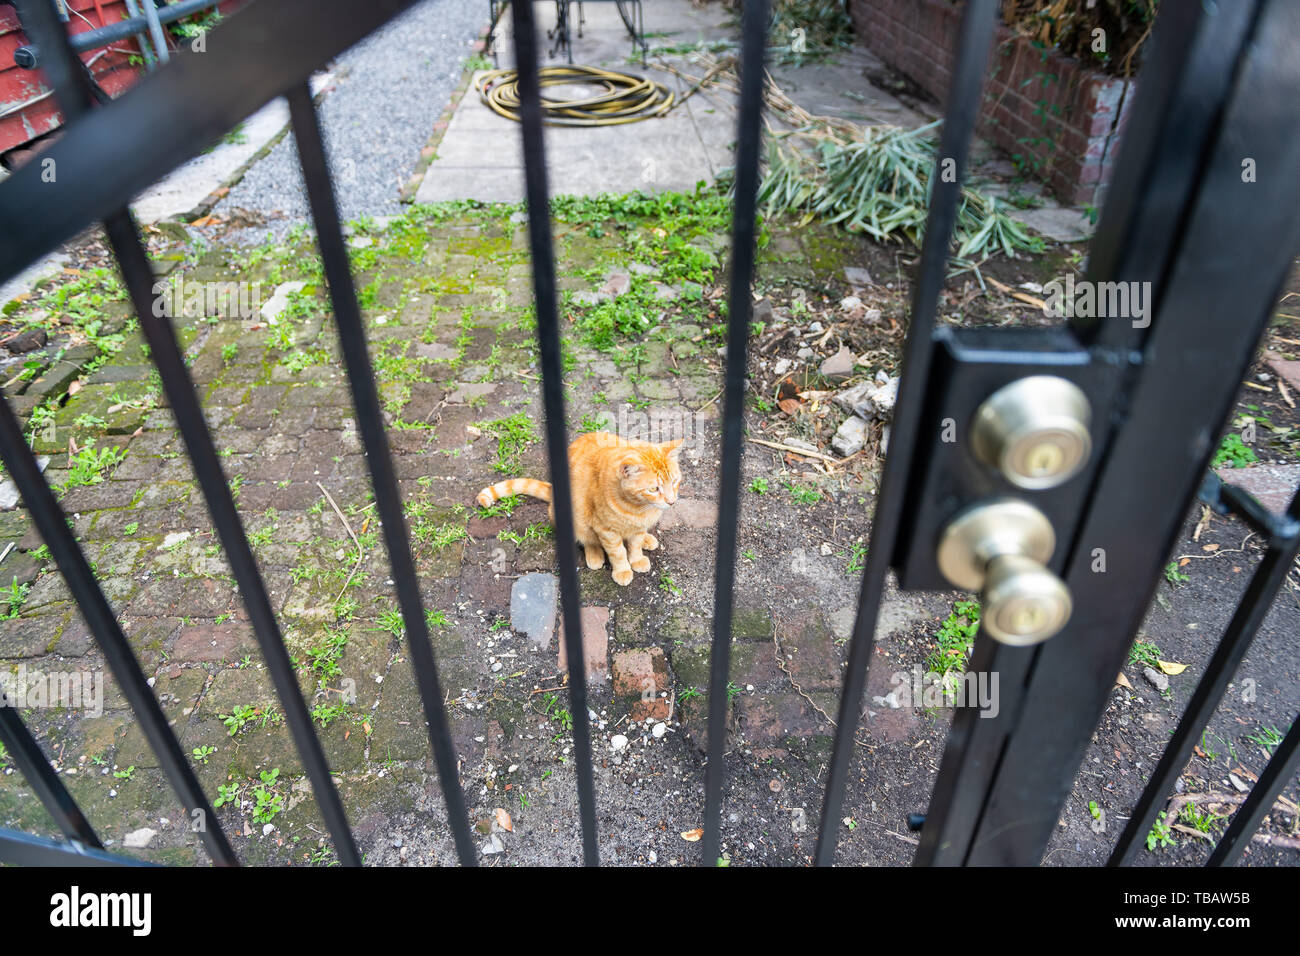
[591, 423]
[513, 435]
[325, 655]
[269, 803]
[12, 598]
[856, 558]
[1266, 738]
[504, 506]
[1160, 835]
[392, 622]
[90, 466]
[803, 494]
[534, 532]
[955, 637]
[1144, 654]
[879, 184]
[1233, 451]
[226, 793]
[243, 714]
[325, 714]
[1203, 821]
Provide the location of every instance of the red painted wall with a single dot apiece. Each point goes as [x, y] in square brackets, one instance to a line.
[26, 109]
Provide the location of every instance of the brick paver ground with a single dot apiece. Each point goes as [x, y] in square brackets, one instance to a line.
[447, 300]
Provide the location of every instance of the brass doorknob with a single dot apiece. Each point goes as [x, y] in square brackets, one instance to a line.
[1035, 431]
[1000, 549]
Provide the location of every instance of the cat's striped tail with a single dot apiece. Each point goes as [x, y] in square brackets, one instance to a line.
[515, 486]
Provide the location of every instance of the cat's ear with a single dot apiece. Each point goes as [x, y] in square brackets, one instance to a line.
[629, 469]
[673, 448]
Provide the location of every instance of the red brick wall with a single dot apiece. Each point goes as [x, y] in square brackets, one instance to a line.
[25, 111]
[1060, 117]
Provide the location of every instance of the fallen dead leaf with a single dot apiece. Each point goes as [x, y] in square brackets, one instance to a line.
[1209, 547]
[1122, 681]
[504, 821]
[76, 386]
[1171, 668]
[693, 836]
[789, 405]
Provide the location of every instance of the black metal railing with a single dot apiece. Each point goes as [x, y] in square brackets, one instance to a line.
[1219, 77]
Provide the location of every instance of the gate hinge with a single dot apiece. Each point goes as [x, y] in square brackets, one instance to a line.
[1281, 530]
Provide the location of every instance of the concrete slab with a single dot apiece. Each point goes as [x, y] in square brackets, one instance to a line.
[50, 265]
[187, 186]
[481, 156]
[1056, 222]
[1272, 485]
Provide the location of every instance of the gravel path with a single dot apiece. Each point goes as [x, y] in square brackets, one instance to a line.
[390, 89]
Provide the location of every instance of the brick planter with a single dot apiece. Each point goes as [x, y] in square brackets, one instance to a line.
[1063, 118]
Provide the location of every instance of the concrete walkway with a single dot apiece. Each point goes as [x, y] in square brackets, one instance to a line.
[481, 157]
[480, 154]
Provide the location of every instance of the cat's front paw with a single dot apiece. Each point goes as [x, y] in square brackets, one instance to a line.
[641, 564]
[623, 576]
[649, 542]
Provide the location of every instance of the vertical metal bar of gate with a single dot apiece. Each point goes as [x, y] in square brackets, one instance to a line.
[557, 445]
[739, 309]
[370, 422]
[968, 75]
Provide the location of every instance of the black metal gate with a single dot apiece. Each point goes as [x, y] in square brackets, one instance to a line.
[1071, 440]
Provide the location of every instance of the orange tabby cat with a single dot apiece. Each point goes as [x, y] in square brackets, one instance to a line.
[620, 489]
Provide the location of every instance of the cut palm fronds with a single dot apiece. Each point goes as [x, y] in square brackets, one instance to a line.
[878, 183]
[870, 179]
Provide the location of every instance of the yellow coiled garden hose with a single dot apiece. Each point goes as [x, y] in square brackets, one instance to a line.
[619, 97]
